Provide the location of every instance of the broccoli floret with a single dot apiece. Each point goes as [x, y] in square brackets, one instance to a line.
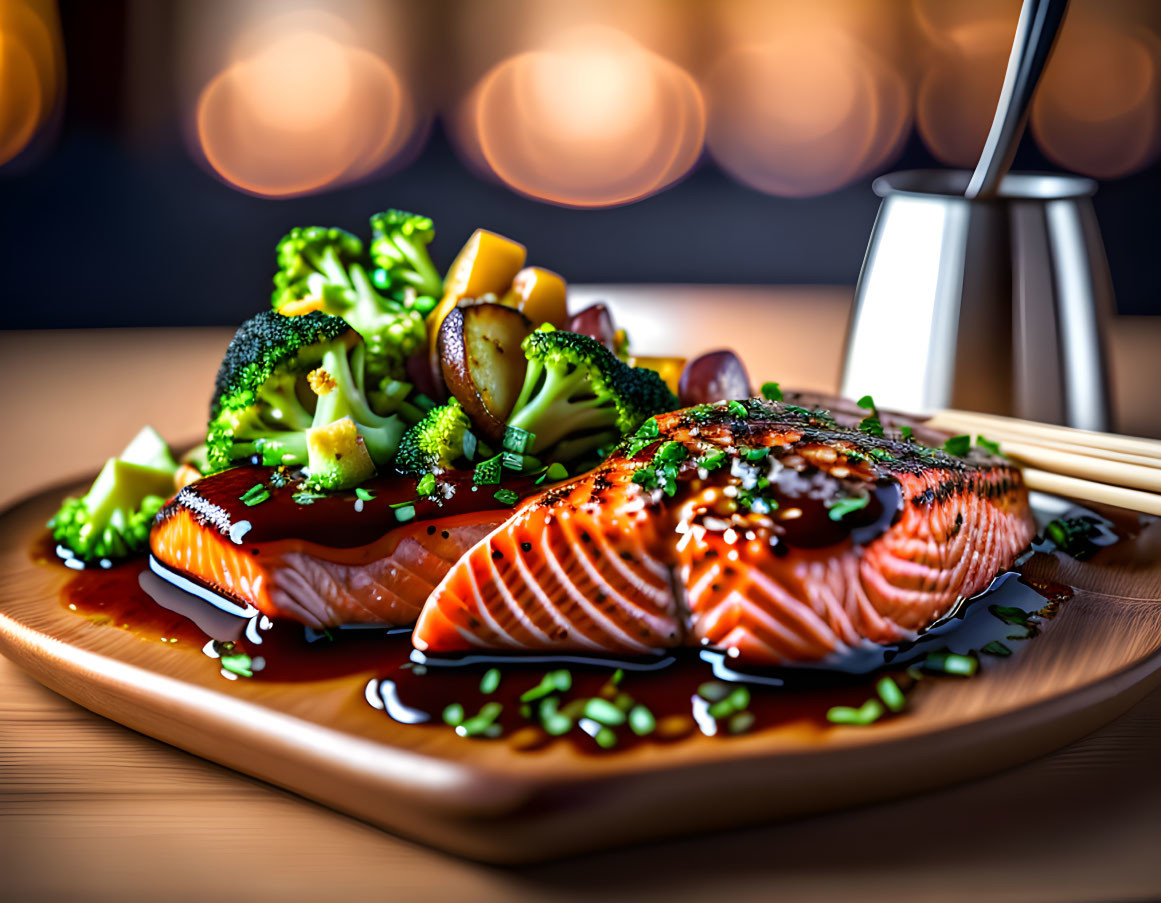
[578, 396]
[311, 257]
[330, 267]
[436, 442]
[112, 520]
[284, 375]
[399, 248]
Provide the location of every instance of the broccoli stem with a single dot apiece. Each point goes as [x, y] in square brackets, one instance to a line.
[426, 278]
[546, 407]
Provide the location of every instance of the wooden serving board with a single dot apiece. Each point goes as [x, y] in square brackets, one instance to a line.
[490, 801]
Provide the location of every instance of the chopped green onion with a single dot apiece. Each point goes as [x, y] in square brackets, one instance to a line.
[723, 708]
[364, 495]
[641, 720]
[958, 445]
[517, 440]
[738, 409]
[605, 738]
[404, 512]
[556, 724]
[740, 722]
[771, 391]
[239, 663]
[714, 690]
[506, 497]
[552, 682]
[882, 454]
[615, 680]
[756, 454]
[562, 680]
[890, 693]
[306, 497]
[490, 681]
[868, 713]
[481, 722]
[603, 712]
[995, 647]
[488, 471]
[842, 507]
[426, 484]
[255, 495]
[453, 714]
[951, 663]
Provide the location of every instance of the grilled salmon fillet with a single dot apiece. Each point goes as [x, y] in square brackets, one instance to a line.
[325, 560]
[764, 529]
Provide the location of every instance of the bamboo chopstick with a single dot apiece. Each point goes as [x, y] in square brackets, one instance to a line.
[1124, 471]
[1088, 491]
[1150, 448]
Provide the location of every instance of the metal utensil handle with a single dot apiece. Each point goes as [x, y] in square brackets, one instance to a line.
[1035, 35]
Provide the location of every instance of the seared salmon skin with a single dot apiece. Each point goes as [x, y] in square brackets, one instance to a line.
[260, 538]
[766, 530]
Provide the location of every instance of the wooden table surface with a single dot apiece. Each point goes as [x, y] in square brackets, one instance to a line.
[91, 810]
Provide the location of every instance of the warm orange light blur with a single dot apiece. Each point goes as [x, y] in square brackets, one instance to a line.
[593, 119]
[301, 110]
[31, 71]
[958, 92]
[806, 113]
[1102, 126]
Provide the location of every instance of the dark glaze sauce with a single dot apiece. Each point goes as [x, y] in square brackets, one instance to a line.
[336, 519]
[416, 690]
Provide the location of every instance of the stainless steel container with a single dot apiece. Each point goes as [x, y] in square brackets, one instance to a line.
[991, 305]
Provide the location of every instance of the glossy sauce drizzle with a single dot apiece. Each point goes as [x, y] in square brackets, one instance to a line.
[416, 690]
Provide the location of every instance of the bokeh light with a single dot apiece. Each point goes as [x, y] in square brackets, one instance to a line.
[1102, 126]
[302, 108]
[591, 119]
[958, 92]
[806, 113]
[31, 72]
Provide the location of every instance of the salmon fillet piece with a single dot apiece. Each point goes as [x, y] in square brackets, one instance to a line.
[330, 561]
[763, 529]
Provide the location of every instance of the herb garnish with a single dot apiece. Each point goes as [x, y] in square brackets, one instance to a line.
[958, 445]
[364, 495]
[506, 497]
[772, 391]
[255, 495]
[838, 509]
[490, 681]
[426, 485]
[870, 424]
[989, 446]
[487, 472]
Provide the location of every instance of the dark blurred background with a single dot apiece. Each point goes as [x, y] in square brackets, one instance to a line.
[152, 153]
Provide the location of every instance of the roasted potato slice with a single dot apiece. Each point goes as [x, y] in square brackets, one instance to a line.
[482, 362]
